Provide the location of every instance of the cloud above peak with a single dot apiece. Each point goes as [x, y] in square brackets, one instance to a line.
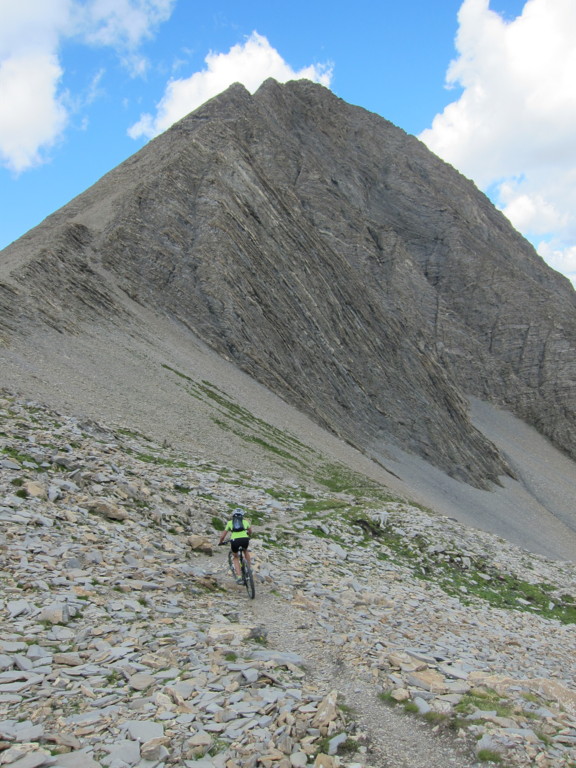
[35, 106]
[249, 63]
[512, 127]
[123, 23]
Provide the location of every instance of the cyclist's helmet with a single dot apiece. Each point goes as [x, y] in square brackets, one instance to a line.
[239, 511]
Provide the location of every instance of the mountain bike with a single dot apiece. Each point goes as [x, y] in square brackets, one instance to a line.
[245, 569]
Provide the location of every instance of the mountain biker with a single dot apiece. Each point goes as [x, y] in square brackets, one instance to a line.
[240, 530]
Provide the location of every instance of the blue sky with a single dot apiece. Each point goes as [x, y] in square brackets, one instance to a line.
[487, 84]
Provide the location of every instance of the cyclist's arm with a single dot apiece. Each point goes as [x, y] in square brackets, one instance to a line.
[223, 536]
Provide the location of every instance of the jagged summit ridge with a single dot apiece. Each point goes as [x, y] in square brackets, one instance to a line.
[330, 256]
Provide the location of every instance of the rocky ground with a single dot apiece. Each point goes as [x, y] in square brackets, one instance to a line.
[381, 635]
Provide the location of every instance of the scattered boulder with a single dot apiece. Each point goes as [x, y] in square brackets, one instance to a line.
[200, 544]
[107, 509]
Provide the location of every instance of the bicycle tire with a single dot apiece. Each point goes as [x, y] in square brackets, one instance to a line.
[248, 579]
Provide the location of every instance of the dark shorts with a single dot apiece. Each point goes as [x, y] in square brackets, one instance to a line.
[237, 543]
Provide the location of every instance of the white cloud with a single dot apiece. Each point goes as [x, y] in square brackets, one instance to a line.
[249, 63]
[530, 206]
[512, 128]
[36, 116]
[125, 23]
[561, 257]
[35, 106]
[33, 114]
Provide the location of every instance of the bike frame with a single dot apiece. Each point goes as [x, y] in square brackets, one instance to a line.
[245, 570]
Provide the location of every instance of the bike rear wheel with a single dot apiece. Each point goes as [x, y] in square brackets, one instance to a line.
[248, 579]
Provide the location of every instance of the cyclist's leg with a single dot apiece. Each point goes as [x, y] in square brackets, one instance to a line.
[236, 560]
[245, 545]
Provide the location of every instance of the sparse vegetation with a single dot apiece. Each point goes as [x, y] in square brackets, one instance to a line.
[234, 418]
[489, 756]
[468, 578]
[321, 505]
[480, 701]
[387, 698]
[434, 718]
[13, 453]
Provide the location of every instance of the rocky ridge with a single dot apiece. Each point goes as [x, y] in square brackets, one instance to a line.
[125, 642]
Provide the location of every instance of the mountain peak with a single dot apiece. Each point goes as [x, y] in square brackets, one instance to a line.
[333, 259]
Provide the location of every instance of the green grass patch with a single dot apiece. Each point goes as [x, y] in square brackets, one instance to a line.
[12, 453]
[278, 539]
[321, 505]
[288, 495]
[488, 701]
[489, 756]
[132, 433]
[270, 447]
[340, 479]
[532, 697]
[276, 494]
[348, 747]
[466, 577]
[218, 745]
[434, 718]
[386, 698]
[320, 533]
[504, 590]
[232, 417]
[181, 375]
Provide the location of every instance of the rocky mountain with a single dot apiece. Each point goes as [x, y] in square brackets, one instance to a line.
[321, 251]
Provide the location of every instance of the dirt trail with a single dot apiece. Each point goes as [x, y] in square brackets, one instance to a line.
[394, 738]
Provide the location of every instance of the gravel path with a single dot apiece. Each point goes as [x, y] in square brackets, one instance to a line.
[394, 738]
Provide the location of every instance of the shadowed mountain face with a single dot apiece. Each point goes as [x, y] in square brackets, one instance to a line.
[331, 257]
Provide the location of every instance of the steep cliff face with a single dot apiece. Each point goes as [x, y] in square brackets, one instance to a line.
[330, 256]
